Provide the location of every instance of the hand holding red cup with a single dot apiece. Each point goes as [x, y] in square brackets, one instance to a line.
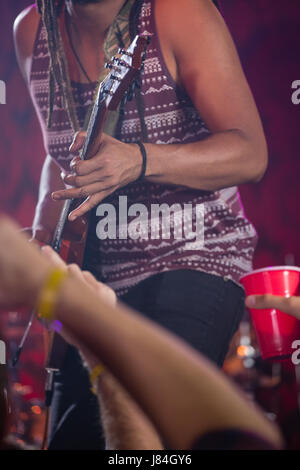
[271, 293]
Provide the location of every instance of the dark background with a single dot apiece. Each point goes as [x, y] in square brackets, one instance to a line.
[267, 34]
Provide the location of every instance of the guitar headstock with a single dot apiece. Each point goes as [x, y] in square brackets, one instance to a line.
[123, 71]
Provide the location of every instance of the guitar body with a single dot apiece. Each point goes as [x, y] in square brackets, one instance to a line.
[74, 241]
[70, 237]
[72, 251]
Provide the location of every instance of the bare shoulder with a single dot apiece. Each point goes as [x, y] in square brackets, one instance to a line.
[181, 11]
[25, 30]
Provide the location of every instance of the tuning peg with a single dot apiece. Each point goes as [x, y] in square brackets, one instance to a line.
[124, 52]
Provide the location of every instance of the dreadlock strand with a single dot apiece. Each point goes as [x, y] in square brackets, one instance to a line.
[66, 88]
[51, 42]
[47, 17]
[64, 80]
[51, 99]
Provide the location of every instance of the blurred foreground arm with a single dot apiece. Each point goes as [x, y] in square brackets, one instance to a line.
[184, 395]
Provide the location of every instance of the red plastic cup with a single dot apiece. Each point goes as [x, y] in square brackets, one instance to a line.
[275, 330]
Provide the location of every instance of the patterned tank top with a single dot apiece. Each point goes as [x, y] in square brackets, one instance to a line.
[146, 228]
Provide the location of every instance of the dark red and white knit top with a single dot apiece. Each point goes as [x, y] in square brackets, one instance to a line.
[170, 117]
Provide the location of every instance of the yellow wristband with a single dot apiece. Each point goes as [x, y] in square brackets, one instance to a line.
[94, 374]
[49, 293]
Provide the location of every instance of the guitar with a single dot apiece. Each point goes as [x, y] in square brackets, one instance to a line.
[70, 243]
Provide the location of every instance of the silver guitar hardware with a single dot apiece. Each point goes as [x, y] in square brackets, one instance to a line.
[124, 52]
[114, 77]
[110, 66]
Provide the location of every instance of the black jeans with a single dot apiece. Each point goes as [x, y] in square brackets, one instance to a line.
[202, 309]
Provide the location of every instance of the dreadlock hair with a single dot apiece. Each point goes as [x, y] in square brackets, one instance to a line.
[58, 68]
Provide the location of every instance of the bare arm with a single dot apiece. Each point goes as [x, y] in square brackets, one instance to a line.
[201, 57]
[183, 394]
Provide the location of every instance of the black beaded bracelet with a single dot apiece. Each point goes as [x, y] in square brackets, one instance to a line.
[144, 164]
